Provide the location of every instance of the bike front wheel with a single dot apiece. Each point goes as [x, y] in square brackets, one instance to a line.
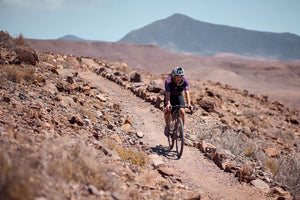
[170, 137]
[179, 138]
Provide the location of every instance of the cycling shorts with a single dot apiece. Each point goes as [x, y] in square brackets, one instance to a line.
[175, 100]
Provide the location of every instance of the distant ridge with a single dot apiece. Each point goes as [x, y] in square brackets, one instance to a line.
[181, 33]
[72, 38]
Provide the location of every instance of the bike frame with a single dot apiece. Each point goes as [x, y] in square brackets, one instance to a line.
[177, 134]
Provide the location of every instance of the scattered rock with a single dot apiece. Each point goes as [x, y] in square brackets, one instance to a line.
[93, 190]
[157, 160]
[166, 171]
[206, 105]
[272, 152]
[280, 193]
[43, 109]
[77, 120]
[147, 179]
[258, 183]
[135, 77]
[140, 134]
[101, 97]
[27, 56]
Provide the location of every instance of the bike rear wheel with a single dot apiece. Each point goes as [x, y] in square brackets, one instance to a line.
[179, 138]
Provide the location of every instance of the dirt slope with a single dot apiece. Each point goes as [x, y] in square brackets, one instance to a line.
[279, 80]
[194, 169]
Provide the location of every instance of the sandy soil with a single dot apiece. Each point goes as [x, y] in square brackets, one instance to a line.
[194, 169]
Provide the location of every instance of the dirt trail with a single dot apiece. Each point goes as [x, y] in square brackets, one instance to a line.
[194, 169]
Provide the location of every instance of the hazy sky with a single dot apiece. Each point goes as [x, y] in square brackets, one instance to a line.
[110, 20]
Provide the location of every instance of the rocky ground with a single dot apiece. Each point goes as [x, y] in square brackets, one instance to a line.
[82, 128]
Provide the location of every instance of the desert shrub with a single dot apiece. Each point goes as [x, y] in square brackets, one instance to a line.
[20, 40]
[76, 163]
[285, 170]
[249, 152]
[17, 74]
[130, 155]
[236, 142]
[5, 39]
[271, 165]
[11, 43]
[288, 173]
[89, 113]
[98, 104]
[136, 158]
[4, 34]
[14, 179]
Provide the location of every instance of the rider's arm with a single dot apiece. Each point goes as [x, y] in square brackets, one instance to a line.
[168, 99]
[167, 89]
[188, 98]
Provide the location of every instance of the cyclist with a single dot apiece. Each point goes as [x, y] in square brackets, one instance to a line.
[174, 86]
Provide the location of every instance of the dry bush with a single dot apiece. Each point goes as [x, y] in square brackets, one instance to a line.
[134, 157]
[27, 173]
[20, 40]
[97, 104]
[15, 180]
[6, 40]
[89, 113]
[285, 170]
[17, 74]
[76, 162]
[249, 152]
[11, 43]
[271, 165]
[288, 173]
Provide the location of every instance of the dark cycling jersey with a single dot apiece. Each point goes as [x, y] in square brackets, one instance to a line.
[175, 89]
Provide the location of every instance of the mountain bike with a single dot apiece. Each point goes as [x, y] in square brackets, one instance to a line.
[176, 130]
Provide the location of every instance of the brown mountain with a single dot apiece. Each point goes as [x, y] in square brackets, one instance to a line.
[181, 33]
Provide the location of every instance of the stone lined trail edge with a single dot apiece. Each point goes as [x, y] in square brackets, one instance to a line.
[193, 168]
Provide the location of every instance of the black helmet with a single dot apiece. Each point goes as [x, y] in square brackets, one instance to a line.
[178, 71]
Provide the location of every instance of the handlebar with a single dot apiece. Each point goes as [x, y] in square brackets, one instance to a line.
[178, 106]
[181, 106]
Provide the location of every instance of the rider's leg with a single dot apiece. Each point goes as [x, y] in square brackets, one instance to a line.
[182, 112]
[167, 117]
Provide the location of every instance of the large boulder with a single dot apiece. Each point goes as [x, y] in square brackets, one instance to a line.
[206, 105]
[155, 86]
[26, 55]
[135, 77]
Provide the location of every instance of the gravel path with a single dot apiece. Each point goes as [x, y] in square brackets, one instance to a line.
[195, 170]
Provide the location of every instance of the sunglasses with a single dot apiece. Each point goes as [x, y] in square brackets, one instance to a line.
[176, 76]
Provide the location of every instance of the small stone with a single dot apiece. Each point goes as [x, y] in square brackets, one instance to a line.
[167, 171]
[101, 97]
[271, 152]
[140, 134]
[93, 190]
[157, 160]
[77, 120]
[260, 184]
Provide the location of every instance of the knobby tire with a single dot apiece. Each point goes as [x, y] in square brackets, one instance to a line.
[179, 138]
